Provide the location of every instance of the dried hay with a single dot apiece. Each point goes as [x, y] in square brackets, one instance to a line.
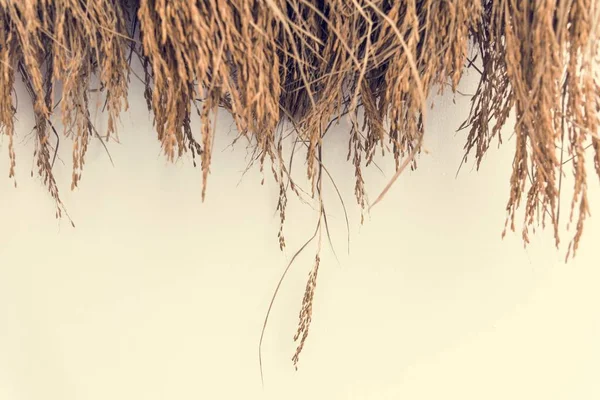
[307, 63]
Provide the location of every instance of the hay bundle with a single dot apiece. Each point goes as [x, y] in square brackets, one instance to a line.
[308, 63]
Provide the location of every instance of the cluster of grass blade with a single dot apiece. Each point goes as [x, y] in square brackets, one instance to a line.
[307, 64]
[57, 48]
[540, 61]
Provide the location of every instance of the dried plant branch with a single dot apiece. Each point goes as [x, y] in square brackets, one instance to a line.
[308, 64]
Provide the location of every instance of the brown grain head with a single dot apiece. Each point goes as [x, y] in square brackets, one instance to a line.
[306, 64]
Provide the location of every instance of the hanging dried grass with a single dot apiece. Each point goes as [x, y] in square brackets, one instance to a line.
[308, 63]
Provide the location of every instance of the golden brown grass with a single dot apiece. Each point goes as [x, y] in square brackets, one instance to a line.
[308, 63]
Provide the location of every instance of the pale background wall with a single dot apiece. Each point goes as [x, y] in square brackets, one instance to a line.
[157, 296]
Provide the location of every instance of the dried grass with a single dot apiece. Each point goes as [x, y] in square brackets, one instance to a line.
[307, 63]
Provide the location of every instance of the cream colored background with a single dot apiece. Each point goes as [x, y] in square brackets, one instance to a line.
[157, 296]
